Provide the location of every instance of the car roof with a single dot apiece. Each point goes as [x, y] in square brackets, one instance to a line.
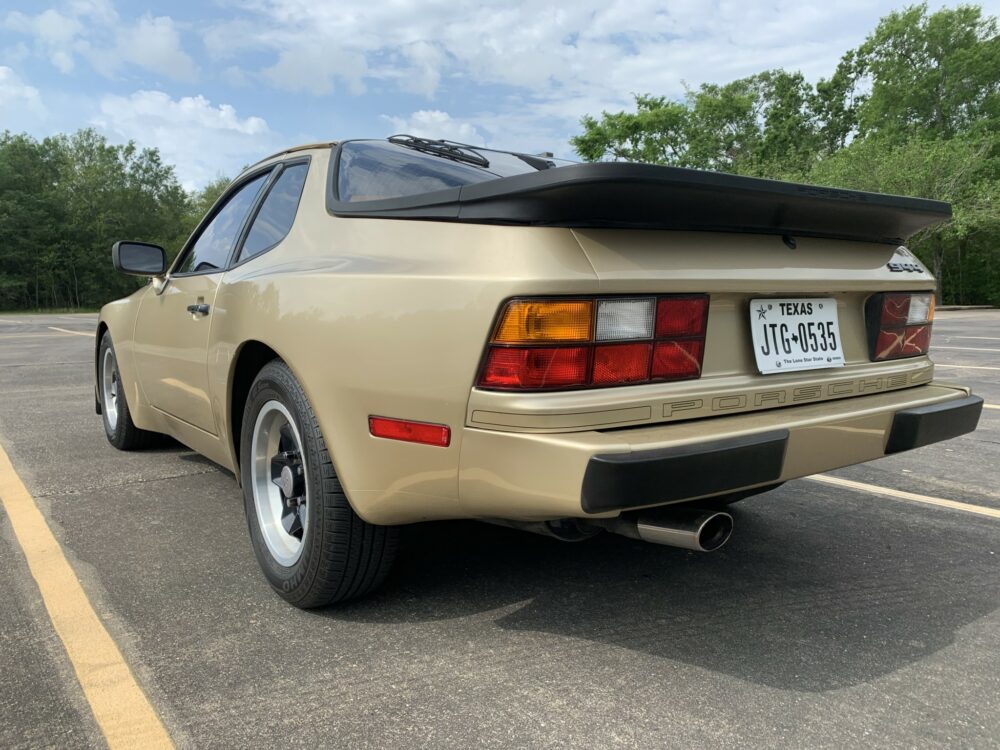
[292, 150]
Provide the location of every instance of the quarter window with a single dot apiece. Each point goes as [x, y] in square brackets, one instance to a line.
[277, 212]
[211, 250]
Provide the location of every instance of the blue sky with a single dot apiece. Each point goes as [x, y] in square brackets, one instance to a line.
[216, 85]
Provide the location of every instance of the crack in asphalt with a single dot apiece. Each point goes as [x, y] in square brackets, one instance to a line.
[48, 364]
[151, 480]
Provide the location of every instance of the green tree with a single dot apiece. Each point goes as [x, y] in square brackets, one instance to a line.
[929, 74]
[656, 133]
[65, 200]
[761, 125]
[948, 170]
[914, 110]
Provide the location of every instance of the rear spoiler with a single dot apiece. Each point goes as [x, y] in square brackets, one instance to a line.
[643, 196]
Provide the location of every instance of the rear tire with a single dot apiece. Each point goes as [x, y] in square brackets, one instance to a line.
[118, 425]
[312, 547]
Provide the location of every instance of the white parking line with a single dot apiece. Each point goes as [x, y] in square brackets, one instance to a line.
[75, 333]
[967, 367]
[968, 349]
[978, 338]
[910, 496]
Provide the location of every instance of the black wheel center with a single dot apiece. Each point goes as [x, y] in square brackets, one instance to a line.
[287, 473]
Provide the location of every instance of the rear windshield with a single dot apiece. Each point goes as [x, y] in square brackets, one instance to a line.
[376, 170]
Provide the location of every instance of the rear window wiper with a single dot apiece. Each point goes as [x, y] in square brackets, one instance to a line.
[447, 149]
[537, 162]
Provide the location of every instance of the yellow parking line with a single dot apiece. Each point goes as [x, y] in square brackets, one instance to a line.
[991, 406]
[911, 496]
[966, 367]
[89, 334]
[122, 711]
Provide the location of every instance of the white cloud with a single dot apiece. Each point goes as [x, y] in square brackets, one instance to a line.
[559, 60]
[16, 54]
[55, 34]
[154, 44]
[546, 47]
[190, 132]
[314, 68]
[434, 123]
[18, 96]
[235, 76]
[92, 29]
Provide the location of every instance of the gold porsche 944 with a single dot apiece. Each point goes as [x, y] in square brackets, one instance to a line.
[378, 332]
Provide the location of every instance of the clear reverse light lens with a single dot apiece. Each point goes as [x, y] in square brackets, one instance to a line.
[920, 308]
[622, 319]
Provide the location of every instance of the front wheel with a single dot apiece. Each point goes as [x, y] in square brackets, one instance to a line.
[311, 545]
[118, 425]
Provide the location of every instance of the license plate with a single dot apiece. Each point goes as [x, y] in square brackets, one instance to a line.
[795, 334]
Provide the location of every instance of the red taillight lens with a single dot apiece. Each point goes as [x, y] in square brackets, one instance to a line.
[621, 363]
[917, 340]
[681, 316]
[678, 360]
[410, 432]
[895, 309]
[661, 338]
[526, 368]
[899, 324]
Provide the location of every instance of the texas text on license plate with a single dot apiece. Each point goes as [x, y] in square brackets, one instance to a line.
[795, 334]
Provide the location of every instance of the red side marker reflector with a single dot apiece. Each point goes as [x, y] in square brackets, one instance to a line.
[410, 432]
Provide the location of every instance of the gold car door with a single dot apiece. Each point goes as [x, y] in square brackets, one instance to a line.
[174, 324]
[171, 348]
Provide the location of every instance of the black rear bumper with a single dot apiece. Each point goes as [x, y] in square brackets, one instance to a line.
[630, 480]
[924, 425]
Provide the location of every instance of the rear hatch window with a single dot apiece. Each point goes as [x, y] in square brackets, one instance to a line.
[377, 170]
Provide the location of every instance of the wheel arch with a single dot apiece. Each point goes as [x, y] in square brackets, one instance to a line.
[102, 327]
[249, 360]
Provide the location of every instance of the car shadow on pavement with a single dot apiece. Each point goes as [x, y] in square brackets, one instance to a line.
[807, 601]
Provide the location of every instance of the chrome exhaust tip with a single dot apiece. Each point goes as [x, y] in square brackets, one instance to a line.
[701, 532]
[687, 528]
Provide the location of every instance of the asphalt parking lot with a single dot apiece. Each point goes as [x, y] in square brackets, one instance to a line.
[837, 616]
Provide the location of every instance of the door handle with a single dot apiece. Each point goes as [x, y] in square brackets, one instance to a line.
[199, 309]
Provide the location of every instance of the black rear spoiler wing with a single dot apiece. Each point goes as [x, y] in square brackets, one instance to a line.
[643, 196]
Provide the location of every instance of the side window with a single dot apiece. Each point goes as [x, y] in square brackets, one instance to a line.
[277, 212]
[211, 250]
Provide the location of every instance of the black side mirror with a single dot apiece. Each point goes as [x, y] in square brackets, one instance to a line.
[139, 258]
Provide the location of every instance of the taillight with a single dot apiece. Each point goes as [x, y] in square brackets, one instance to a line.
[899, 324]
[555, 344]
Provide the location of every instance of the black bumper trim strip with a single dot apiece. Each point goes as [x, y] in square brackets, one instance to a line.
[923, 425]
[619, 481]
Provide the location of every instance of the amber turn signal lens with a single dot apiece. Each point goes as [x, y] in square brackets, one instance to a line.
[538, 321]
